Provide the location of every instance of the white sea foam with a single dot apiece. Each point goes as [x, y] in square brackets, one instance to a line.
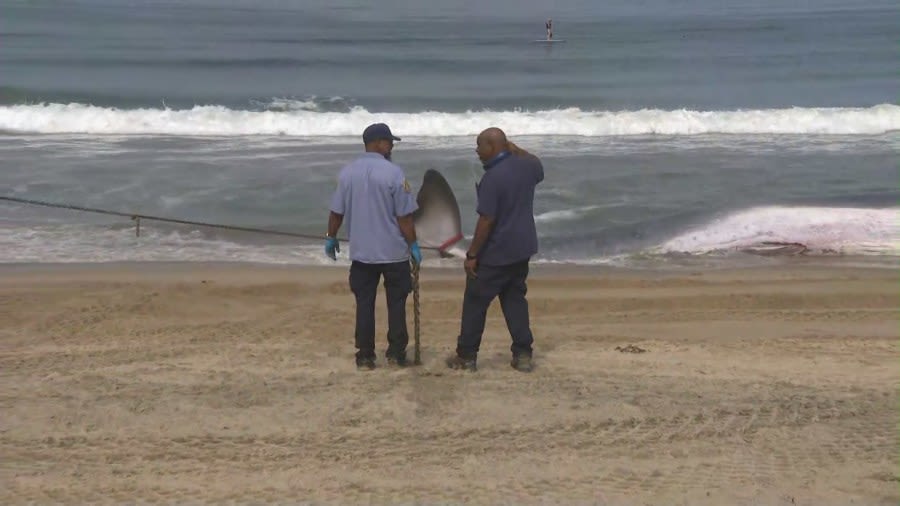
[563, 214]
[821, 229]
[304, 120]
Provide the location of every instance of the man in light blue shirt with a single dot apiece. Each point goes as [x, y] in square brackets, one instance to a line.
[375, 199]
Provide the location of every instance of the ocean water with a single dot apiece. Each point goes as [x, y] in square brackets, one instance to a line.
[670, 131]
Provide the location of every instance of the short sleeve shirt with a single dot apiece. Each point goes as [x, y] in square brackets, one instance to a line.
[371, 193]
[506, 193]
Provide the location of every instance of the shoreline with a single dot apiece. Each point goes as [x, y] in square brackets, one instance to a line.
[537, 268]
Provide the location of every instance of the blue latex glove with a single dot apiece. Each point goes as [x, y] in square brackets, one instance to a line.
[415, 252]
[332, 246]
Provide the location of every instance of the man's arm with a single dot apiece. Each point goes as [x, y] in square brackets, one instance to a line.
[335, 219]
[337, 208]
[404, 206]
[482, 231]
[407, 228]
[516, 150]
[334, 223]
[488, 204]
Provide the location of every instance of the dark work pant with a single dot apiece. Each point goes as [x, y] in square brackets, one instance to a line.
[509, 283]
[364, 285]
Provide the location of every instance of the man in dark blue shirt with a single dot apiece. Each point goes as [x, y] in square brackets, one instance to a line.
[504, 242]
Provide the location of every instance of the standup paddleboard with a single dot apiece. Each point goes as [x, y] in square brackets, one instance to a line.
[549, 40]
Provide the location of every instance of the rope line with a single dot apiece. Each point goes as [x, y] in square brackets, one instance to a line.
[415, 272]
[137, 217]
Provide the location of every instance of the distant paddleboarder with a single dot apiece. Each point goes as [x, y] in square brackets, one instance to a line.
[549, 26]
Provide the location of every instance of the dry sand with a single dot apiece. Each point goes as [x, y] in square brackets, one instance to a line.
[217, 383]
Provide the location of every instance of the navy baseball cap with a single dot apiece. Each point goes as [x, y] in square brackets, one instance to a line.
[378, 131]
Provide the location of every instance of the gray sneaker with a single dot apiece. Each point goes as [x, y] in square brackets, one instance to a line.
[522, 363]
[465, 364]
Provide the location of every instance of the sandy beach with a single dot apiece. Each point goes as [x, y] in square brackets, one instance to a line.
[184, 383]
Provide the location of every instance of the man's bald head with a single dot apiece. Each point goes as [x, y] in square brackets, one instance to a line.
[492, 135]
[491, 142]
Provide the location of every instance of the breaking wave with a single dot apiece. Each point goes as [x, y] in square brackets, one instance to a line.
[306, 119]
